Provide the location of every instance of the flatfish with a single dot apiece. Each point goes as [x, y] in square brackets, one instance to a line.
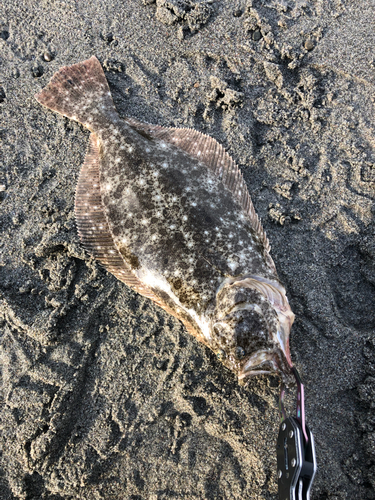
[166, 210]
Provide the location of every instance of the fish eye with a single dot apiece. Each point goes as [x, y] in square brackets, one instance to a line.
[221, 355]
[216, 329]
[240, 352]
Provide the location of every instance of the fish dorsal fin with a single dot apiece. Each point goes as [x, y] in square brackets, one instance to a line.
[96, 237]
[207, 150]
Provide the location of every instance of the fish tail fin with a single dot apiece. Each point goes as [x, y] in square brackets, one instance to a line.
[79, 92]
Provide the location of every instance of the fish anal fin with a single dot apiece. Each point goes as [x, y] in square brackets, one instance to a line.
[91, 222]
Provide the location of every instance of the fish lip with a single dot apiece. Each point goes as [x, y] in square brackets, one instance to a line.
[243, 377]
[267, 364]
[254, 372]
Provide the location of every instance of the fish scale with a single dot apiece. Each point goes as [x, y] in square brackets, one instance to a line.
[166, 210]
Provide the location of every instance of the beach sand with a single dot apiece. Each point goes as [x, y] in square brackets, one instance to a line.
[105, 396]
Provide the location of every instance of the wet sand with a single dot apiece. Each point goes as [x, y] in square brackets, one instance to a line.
[103, 395]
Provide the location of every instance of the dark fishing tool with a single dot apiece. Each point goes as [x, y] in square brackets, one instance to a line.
[296, 461]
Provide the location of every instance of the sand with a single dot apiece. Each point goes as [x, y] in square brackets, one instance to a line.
[103, 395]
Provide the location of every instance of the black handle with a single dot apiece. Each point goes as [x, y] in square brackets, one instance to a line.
[296, 462]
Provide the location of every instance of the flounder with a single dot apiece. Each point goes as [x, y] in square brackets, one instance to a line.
[167, 211]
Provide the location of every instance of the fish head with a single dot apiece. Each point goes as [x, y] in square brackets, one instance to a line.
[250, 328]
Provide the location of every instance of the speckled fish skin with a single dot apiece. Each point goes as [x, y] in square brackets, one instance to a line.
[167, 212]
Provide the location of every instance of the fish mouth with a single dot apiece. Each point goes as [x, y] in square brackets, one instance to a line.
[261, 362]
[266, 362]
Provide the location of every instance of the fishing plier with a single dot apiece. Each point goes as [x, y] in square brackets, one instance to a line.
[296, 462]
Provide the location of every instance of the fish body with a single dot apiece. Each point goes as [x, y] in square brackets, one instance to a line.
[166, 210]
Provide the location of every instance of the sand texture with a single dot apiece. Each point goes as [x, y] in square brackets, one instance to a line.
[105, 396]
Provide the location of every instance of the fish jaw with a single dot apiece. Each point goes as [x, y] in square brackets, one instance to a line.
[261, 363]
[266, 362]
